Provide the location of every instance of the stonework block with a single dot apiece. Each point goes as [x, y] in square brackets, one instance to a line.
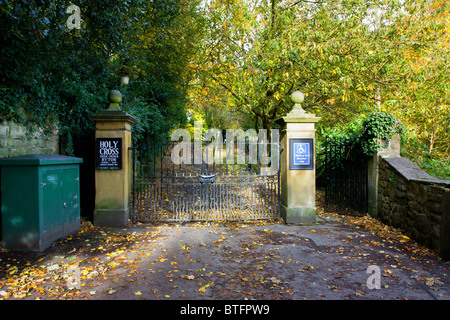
[17, 140]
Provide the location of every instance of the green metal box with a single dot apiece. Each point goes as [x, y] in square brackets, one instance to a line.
[40, 200]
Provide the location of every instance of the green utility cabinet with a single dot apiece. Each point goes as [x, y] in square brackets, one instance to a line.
[40, 200]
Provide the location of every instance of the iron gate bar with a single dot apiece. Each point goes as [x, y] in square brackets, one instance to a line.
[346, 173]
[232, 194]
[237, 192]
[133, 182]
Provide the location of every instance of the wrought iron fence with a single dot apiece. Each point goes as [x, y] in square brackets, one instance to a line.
[166, 191]
[346, 189]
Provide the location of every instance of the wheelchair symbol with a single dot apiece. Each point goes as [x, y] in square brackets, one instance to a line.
[300, 149]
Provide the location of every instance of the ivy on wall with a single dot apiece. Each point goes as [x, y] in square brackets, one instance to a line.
[362, 137]
[367, 133]
[378, 126]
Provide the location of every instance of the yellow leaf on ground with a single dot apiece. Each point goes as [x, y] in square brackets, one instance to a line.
[203, 289]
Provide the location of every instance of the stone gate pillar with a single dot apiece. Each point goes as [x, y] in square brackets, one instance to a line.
[298, 169]
[392, 150]
[113, 164]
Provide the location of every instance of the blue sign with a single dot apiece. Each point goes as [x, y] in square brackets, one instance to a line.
[301, 154]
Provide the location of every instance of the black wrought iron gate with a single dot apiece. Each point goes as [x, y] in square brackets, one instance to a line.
[346, 173]
[166, 191]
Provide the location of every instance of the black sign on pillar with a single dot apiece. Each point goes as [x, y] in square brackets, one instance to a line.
[301, 154]
[109, 153]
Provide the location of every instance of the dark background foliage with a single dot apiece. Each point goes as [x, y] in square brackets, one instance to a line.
[56, 78]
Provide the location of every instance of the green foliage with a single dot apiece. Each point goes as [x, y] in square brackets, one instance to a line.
[51, 76]
[418, 152]
[362, 138]
[366, 132]
[348, 57]
[391, 178]
[154, 122]
[439, 168]
[378, 125]
[56, 78]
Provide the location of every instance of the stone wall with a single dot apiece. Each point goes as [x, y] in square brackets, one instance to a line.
[415, 202]
[16, 140]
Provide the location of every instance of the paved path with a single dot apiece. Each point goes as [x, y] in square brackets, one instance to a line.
[231, 261]
[276, 261]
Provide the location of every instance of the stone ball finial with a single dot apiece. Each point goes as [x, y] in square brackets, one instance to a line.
[114, 97]
[297, 97]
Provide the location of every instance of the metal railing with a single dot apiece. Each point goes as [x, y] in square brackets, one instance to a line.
[165, 191]
[346, 171]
